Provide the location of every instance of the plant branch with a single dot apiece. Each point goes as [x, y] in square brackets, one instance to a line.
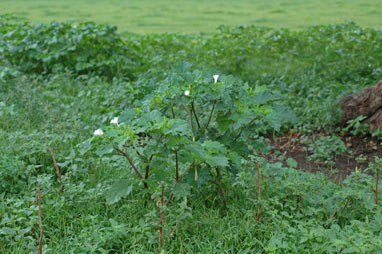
[57, 170]
[220, 187]
[212, 111]
[190, 115]
[179, 180]
[147, 171]
[250, 122]
[176, 166]
[339, 214]
[196, 117]
[124, 153]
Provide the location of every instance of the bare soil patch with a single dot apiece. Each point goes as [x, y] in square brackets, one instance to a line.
[290, 145]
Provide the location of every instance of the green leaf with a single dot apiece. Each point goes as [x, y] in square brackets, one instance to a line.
[291, 163]
[102, 150]
[213, 146]
[178, 127]
[223, 122]
[7, 231]
[217, 160]
[235, 158]
[128, 116]
[120, 189]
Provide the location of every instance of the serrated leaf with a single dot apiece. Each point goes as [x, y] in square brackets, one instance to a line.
[263, 97]
[291, 163]
[127, 116]
[216, 160]
[235, 158]
[120, 189]
[223, 122]
[213, 147]
[107, 149]
[178, 127]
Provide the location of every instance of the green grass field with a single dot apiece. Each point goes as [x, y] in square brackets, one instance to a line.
[150, 16]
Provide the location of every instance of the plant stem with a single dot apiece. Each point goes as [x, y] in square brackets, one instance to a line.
[259, 185]
[179, 180]
[212, 111]
[221, 189]
[124, 153]
[176, 166]
[147, 171]
[251, 122]
[161, 221]
[342, 209]
[190, 115]
[196, 117]
[57, 170]
[339, 214]
[40, 219]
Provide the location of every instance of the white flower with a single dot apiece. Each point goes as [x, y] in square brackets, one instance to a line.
[216, 78]
[98, 133]
[114, 121]
[187, 93]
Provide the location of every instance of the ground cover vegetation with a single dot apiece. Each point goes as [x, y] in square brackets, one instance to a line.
[178, 143]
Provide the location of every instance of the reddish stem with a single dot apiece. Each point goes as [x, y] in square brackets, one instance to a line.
[339, 214]
[176, 166]
[57, 170]
[179, 179]
[259, 201]
[161, 221]
[40, 218]
[212, 111]
[124, 153]
[196, 116]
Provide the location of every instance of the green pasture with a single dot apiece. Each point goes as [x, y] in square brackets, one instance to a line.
[150, 16]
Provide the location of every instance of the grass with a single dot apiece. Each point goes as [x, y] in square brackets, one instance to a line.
[150, 16]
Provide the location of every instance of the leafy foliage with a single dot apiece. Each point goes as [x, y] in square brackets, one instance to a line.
[170, 135]
[326, 148]
[85, 48]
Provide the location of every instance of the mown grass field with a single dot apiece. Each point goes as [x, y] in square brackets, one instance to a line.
[158, 154]
[149, 16]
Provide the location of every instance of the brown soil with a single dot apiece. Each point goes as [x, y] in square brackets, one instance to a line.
[290, 146]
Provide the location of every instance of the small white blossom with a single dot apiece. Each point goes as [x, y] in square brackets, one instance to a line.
[216, 78]
[98, 133]
[114, 121]
[187, 92]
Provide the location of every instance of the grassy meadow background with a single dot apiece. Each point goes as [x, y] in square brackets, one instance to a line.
[185, 16]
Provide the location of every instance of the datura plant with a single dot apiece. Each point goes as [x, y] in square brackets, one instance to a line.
[193, 129]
